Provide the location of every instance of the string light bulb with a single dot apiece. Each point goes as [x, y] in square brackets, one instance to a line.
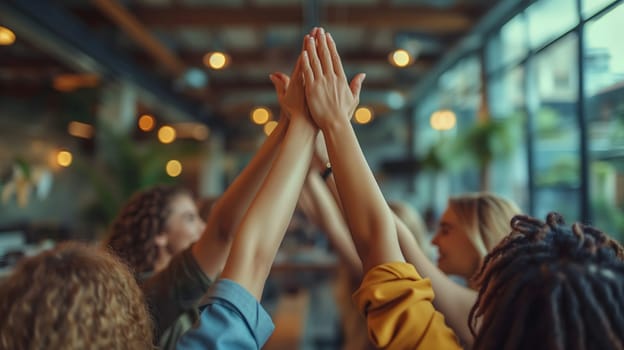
[363, 115]
[443, 120]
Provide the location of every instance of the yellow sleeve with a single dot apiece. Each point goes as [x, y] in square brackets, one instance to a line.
[397, 304]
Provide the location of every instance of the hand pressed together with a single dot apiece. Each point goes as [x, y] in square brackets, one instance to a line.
[330, 97]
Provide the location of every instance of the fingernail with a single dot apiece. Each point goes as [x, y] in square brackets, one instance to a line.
[330, 36]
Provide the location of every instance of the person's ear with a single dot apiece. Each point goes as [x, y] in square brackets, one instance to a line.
[161, 240]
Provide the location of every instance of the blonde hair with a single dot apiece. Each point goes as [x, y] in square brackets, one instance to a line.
[73, 297]
[412, 219]
[485, 218]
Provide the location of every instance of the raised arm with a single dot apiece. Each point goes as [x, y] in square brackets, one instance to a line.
[264, 224]
[329, 218]
[232, 317]
[330, 100]
[212, 249]
[395, 300]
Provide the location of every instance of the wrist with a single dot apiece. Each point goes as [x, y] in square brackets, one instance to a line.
[336, 125]
[304, 125]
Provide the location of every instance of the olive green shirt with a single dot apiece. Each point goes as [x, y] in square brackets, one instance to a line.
[173, 296]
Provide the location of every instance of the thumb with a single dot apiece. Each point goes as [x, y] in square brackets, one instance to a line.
[285, 79]
[278, 83]
[356, 84]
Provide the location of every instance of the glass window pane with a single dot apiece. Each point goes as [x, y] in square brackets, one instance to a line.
[550, 18]
[509, 173]
[590, 7]
[509, 45]
[604, 97]
[555, 130]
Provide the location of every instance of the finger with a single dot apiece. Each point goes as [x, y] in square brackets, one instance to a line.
[323, 52]
[280, 82]
[356, 85]
[313, 59]
[337, 63]
[296, 74]
[308, 75]
[277, 84]
[284, 77]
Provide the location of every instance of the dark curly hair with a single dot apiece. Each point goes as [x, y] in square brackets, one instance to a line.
[133, 232]
[548, 286]
[73, 297]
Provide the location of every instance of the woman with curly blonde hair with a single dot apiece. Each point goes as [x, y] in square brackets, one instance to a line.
[73, 297]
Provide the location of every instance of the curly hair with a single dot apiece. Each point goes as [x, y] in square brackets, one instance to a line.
[133, 232]
[73, 297]
[547, 286]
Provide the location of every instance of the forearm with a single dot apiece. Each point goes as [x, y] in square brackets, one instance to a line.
[234, 202]
[367, 214]
[332, 223]
[451, 299]
[263, 226]
[213, 247]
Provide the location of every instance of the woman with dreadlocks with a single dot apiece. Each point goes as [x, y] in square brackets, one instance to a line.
[547, 286]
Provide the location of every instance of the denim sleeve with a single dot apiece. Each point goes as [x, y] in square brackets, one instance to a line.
[231, 319]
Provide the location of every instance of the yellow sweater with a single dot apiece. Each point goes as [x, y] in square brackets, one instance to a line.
[397, 304]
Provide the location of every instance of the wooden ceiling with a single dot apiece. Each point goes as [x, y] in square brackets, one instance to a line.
[169, 38]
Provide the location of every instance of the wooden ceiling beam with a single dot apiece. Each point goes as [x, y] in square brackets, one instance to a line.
[412, 17]
[133, 27]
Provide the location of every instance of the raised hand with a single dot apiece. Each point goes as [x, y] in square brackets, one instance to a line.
[328, 93]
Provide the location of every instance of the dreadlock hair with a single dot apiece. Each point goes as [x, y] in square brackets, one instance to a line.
[144, 217]
[547, 286]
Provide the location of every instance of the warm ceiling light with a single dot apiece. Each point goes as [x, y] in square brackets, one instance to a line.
[146, 122]
[64, 158]
[363, 115]
[269, 127]
[81, 130]
[260, 115]
[173, 168]
[7, 37]
[71, 82]
[443, 119]
[166, 134]
[400, 58]
[216, 60]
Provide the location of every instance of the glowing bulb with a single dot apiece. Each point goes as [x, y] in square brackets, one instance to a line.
[64, 158]
[269, 127]
[363, 115]
[260, 115]
[443, 119]
[174, 168]
[166, 134]
[216, 60]
[7, 37]
[146, 122]
[401, 58]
